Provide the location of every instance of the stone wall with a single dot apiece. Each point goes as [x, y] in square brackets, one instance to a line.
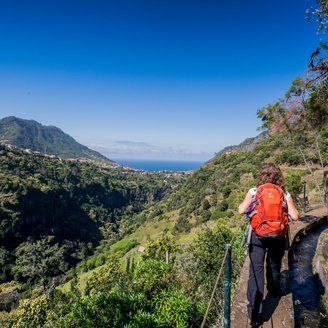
[320, 261]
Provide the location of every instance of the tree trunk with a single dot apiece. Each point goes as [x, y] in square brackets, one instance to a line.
[316, 137]
[311, 171]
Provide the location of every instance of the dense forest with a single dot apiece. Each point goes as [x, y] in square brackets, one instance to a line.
[71, 233]
[64, 210]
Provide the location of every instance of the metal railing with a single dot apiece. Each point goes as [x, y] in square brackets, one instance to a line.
[226, 264]
[325, 184]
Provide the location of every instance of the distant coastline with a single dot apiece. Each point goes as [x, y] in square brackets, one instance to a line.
[160, 165]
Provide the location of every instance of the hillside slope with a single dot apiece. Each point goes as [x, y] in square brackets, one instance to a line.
[200, 217]
[247, 144]
[168, 255]
[29, 134]
[78, 205]
[213, 191]
[193, 224]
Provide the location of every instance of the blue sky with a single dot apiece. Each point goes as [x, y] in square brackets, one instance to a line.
[164, 79]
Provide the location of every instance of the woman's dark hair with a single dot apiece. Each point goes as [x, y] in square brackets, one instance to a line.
[270, 173]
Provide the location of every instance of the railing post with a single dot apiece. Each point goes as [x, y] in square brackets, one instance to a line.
[227, 287]
[325, 184]
[304, 196]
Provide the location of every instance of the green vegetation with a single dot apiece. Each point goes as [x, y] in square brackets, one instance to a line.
[39, 261]
[151, 293]
[55, 213]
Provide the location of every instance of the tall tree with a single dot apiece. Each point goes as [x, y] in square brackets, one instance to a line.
[38, 262]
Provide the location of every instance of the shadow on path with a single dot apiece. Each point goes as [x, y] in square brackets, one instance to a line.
[271, 303]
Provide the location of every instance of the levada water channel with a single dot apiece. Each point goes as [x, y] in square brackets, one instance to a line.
[306, 286]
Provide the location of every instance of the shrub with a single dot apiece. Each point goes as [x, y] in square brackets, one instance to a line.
[223, 206]
[123, 246]
[182, 225]
[217, 214]
[206, 205]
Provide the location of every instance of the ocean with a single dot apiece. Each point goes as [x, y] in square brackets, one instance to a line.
[158, 165]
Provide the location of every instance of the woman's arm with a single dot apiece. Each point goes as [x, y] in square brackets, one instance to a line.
[245, 204]
[292, 211]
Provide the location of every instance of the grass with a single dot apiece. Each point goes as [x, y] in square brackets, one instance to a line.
[152, 230]
[82, 280]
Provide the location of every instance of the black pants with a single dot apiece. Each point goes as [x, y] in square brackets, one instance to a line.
[258, 248]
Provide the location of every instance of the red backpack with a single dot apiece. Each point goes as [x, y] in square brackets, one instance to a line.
[270, 217]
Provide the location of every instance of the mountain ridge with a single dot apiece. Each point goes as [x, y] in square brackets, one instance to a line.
[247, 144]
[30, 134]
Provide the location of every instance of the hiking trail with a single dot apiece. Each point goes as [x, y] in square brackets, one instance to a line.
[277, 312]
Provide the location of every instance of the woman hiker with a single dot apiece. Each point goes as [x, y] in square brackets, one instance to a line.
[270, 206]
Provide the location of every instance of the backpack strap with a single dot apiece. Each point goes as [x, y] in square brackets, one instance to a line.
[251, 209]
